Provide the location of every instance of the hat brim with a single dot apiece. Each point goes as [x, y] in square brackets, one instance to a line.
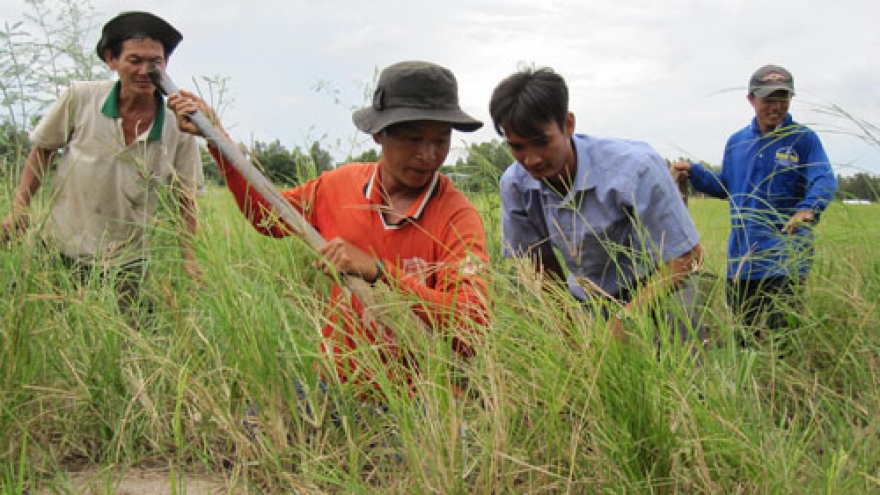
[765, 91]
[371, 121]
[128, 24]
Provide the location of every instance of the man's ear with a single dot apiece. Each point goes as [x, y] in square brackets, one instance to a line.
[108, 58]
[569, 124]
[752, 100]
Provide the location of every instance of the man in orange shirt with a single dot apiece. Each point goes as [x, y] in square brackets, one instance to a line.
[397, 222]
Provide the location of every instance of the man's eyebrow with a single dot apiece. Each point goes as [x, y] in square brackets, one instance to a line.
[136, 55]
[537, 138]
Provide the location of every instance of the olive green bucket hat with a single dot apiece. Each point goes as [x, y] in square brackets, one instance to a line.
[414, 90]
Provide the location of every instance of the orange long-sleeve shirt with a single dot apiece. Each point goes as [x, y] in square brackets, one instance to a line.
[436, 254]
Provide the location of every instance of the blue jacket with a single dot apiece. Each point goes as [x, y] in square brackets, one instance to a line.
[767, 178]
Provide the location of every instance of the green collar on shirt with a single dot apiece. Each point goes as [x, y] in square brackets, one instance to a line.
[111, 109]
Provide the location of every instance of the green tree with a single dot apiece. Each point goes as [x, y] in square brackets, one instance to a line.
[278, 164]
[212, 171]
[482, 168]
[859, 186]
[13, 143]
[369, 156]
[321, 158]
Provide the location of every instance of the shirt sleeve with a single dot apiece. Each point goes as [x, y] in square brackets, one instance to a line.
[522, 229]
[252, 204]
[707, 181]
[660, 213]
[56, 127]
[821, 183]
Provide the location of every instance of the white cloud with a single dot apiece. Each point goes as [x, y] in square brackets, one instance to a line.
[672, 73]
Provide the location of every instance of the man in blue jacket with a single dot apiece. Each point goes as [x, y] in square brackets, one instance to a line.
[778, 180]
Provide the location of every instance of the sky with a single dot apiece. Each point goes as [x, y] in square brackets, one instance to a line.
[671, 73]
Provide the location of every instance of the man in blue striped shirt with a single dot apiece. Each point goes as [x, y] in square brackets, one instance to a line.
[608, 207]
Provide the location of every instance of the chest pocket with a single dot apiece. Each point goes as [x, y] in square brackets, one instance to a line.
[143, 170]
[585, 242]
[784, 177]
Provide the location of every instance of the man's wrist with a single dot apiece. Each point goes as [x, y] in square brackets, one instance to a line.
[380, 272]
[811, 215]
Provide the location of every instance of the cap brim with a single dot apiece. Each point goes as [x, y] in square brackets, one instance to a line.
[765, 91]
[371, 121]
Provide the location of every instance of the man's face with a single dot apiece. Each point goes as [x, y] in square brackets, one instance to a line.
[412, 152]
[131, 65]
[546, 156]
[771, 110]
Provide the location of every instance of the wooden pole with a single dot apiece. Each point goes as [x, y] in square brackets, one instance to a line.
[300, 226]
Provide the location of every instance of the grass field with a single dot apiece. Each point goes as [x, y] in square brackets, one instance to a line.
[554, 406]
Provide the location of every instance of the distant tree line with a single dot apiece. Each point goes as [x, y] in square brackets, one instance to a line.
[282, 166]
[481, 167]
[862, 186]
[478, 170]
[37, 64]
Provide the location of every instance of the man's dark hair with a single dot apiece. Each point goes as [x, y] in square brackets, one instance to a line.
[527, 100]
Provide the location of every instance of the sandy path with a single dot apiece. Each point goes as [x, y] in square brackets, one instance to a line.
[140, 482]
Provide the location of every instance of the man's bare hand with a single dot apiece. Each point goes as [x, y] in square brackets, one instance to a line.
[345, 258]
[797, 220]
[14, 226]
[680, 169]
[184, 104]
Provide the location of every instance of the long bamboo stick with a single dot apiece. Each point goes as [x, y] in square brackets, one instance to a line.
[302, 228]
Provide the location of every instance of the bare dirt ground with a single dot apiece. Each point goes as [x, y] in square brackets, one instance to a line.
[141, 482]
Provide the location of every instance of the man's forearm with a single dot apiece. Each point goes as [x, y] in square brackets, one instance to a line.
[35, 169]
[665, 280]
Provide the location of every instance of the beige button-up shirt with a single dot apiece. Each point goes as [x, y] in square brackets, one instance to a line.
[106, 193]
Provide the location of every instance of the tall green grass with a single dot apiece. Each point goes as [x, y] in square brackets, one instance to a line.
[552, 405]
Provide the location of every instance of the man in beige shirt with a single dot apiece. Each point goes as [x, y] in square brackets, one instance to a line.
[120, 155]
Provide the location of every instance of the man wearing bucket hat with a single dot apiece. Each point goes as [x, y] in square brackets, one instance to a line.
[398, 222]
[607, 206]
[120, 152]
[778, 180]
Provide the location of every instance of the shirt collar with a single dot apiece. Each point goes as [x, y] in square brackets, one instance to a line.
[111, 109]
[373, 193]
[583, 179]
